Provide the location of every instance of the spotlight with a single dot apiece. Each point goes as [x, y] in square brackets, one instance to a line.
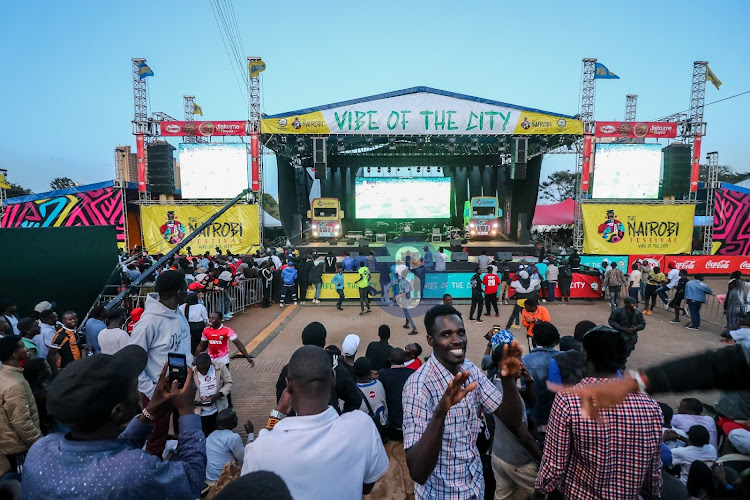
[420, 143]
[391, 144]
[419, 169]
[378, 169]
[300, 144]
[368, 170]
[369, 141]
[428, 170]
[451, 144]
[389, 170]
[340, 145]
[283, 139]
[474, 144]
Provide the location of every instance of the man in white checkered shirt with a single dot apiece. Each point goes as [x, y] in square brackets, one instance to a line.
[442, 404]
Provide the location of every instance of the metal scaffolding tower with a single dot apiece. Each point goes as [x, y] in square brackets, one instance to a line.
[254, 128]
[189, 102]
[711, 186]
[694, 126]
[143, 128]
[588, 93]
[3, 193]
[631, 101]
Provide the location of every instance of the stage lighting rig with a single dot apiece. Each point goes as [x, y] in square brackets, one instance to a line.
[340, 145]
[300, 145]
[452, 144]
[474, 144]
[391, 144]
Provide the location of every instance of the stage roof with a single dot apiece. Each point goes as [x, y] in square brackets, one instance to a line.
[421, 111]
[557, 214]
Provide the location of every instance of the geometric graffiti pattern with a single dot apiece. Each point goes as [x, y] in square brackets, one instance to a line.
[732, 222]
[98, 207]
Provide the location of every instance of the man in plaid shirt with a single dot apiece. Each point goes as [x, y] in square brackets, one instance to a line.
[442, 403]
[615, 458]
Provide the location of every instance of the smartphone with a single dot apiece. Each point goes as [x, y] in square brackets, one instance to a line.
[177, 367]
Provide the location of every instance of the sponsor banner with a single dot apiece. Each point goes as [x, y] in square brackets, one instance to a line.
[202, 128]
[695, 164]
[457, 284]
[622, 229]
[255, 162]
[596, 261]
[638, 130]
[586, 167]
[236, 230]
[712, 264]
[652, 260]
[351, 290]
[421, 113]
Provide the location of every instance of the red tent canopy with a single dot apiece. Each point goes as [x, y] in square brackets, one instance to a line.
[556, 214]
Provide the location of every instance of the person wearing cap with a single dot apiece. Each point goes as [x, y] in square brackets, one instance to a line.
[216, 337]
[19, 418]
[583, 459]
[113, 337]
[161, 330]
[348, 350]
[289, 279]
[47, 332]
[135, 316]
[95, 397]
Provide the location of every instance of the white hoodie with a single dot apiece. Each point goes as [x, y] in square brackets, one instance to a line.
[159, 332]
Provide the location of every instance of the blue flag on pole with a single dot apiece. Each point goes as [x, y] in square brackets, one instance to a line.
[601, 72]
[144, 71]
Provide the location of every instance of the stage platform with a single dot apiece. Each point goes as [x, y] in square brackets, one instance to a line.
[473, 247]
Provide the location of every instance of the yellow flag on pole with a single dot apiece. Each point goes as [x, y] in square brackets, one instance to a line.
[197, 110]
[3, 183]
[711, 77]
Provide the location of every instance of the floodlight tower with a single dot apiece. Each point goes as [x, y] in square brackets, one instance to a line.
[631, 101]
[588, 93]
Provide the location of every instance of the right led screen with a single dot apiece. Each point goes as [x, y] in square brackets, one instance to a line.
[627, 171]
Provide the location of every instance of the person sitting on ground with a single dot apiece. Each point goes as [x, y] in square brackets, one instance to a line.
[670, 440]
[216, 337]
[697, 449]
[94, 326]
[214, 384]
[379, 351]
[67, 346]
[393, 380]
[373, 392]
[113, 338]
[317, 442]
[413, 352]
[532, 314]
[349, 348]
[345, 388]
[628, 320]
[225, 446]
[689, 413]
[96, 396]
[29, 328]
[545, 338]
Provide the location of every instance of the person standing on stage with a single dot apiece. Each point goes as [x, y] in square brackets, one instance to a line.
[477, 299]
[363, 282]
[491, 283]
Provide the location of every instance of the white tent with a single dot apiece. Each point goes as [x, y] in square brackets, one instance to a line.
[269, 221]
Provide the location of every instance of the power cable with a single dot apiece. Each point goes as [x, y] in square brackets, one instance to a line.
[234, 71]
[707, 104]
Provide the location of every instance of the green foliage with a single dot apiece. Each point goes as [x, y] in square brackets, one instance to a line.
[558, 186]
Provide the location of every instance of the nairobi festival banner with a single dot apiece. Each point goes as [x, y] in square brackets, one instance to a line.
[97, 207]
[731, 223]
[619, 229]
[164, 226]
[420, 113]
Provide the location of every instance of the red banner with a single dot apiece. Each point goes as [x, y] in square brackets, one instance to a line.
[205, 129]
[696, 165]
[586, 167]
[584, 286]
[712, 264]
[141, 164]
[637, 130]
[652, 259]
[255, 158]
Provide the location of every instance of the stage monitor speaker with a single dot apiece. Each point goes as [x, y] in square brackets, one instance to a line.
[460, 257]
[455, 242]
[518, 159]
[677, 167]
[333, 242]
[501, 256]
[380, 238]
[364, 243]
[160, 167]
[319, 157]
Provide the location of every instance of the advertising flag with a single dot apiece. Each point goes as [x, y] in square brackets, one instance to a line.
[3, 183]
[621, 229]
[144, 71]
[711, 77]
[602, 73]
[256, 68]
[197, 110]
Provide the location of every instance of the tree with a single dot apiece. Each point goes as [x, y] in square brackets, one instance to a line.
[62, 183]
[270, 206]
[16, 190]
[559, 186]
[726, 174]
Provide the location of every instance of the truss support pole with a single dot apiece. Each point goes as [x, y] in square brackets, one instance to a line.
[189, 103]
[631, 101]
[694, 127]
[711, 186]
[588, 93]
[256, 149]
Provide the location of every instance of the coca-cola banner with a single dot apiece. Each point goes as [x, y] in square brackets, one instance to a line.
[205, 129]
[711, 264]
[636, 129]
[651, 259]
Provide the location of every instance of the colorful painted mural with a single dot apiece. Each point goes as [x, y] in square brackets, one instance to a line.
[97, 207]
[731, 221]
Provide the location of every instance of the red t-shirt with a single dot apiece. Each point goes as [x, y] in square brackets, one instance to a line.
[218, 342]
[491, 282]
[414, 364]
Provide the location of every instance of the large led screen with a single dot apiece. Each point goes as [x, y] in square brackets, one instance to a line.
[213, 170]
[403, 198]
[627, 171]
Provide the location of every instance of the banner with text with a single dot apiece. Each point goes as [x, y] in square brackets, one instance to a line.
[164, 226]
[205, 129]
[636, 130]
[421, 113]
[712, 264]
[620, 229]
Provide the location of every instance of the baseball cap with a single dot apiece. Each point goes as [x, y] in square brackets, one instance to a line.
[350, 345]
[524, 275]
[44, 306]
[195, 286]
[86, 391]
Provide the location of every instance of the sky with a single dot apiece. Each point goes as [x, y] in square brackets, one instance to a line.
[67, 96]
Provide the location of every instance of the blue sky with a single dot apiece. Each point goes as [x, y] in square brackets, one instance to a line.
[67, 94]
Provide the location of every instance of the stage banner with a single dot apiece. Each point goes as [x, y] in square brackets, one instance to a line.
[421, 113]
[351, 290]
[596, 261]
[633, 130]
[731, 222]
[711, 264]
[164, 226]
[438, 284]
[620, 229]
[202, 128]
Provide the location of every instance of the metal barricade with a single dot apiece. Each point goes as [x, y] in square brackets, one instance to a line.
[711, 312]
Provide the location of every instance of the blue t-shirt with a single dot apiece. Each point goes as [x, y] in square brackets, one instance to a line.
[348, 263]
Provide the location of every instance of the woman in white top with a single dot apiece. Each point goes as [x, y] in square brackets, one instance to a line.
[197, 317]
[113, 338]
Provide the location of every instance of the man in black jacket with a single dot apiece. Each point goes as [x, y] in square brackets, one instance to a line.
[575, 261]
[628, 321]
[476, 296]
[316, 279]
[303, 272]
[346, 389]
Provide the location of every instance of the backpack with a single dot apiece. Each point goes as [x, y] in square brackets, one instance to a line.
[566, 271]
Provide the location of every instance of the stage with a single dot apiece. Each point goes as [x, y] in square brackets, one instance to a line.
[473, 248]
